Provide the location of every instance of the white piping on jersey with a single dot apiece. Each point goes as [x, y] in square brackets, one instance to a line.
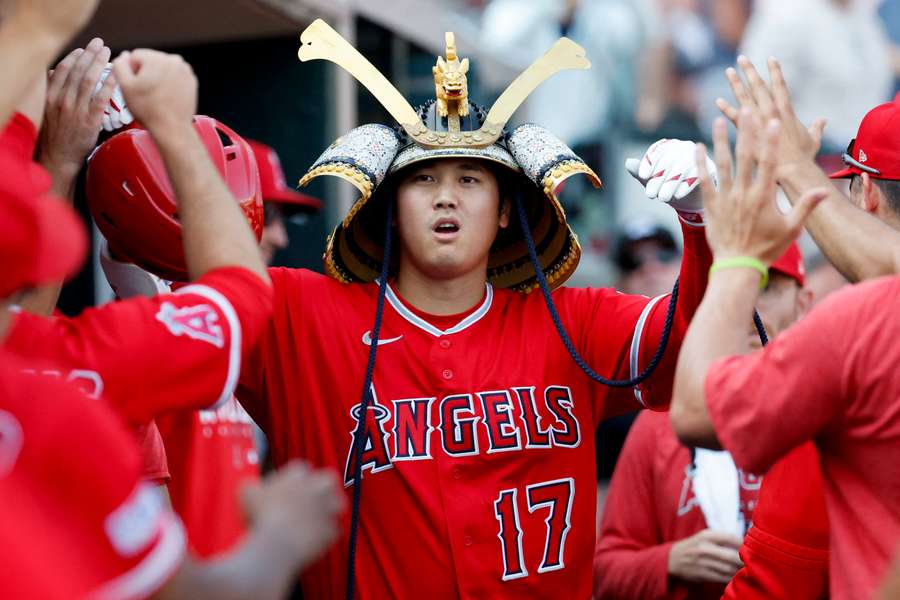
[148, 576]
[234, 324]
[634, 358]
[425, 325]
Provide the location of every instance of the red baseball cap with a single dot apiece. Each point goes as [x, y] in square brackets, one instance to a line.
[791, 264]
[274, 186]
[876, 148]
[41, 237]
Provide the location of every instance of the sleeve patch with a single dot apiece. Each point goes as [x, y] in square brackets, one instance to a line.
[199, 322]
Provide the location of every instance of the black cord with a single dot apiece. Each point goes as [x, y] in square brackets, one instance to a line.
[545, 289]
[359, 436]
[760, 328]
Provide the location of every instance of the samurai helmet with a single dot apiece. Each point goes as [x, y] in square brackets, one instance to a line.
[451, 126]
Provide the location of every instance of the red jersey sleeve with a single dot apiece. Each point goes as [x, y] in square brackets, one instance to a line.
[631, 561]
[764, 404]
[656, 391]
[622, 332]
[149, 356]
[786, 553]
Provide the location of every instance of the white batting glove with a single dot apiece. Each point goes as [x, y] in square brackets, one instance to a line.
[129, 280]
[116, 114]
[668, 172]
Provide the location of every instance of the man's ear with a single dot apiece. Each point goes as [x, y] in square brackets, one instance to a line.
[871, 194]
[804, 301]
[505, 207]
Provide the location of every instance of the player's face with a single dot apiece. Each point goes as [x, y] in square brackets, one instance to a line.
[274, 234]
[448, 214]
[780, 305]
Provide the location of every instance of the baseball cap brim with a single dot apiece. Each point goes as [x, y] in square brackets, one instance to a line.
[293, 198]
[845, 173]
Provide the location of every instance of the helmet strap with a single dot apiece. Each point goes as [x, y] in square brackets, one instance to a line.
[360, 435]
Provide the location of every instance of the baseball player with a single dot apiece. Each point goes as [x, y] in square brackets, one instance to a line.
[279, 200]
[830, 379]
[208, 325]
[70, 119]
[470, 454]
[213, 453]
[71, 487]
[675, 517]
[799, 526]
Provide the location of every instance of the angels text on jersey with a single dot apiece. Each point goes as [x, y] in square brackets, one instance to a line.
[514, 419]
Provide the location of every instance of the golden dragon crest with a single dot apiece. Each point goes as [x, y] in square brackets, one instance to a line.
[450, 85]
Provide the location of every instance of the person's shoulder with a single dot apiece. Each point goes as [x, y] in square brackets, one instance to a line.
[578, 295]
[292, 285]
[27, 329]
[882, 292]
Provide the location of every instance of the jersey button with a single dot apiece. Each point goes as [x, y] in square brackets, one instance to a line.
[444, 344]
[457, 473]
[467, 540]
[447, 374]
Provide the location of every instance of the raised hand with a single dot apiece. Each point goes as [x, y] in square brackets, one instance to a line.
[160, 88]
[299, 506]
[765, 102]
[668, 172]
[742, 215]
[74, 109]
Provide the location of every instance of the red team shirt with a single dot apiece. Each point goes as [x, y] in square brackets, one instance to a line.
[212, 454]
[479, 476]
[75, 522]
[785, 553]
[847, 400]
[651, 505]
[148, 356]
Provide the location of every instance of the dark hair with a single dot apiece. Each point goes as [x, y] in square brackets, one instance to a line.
[891, 190]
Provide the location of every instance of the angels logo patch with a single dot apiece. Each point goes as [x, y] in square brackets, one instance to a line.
[198, 322]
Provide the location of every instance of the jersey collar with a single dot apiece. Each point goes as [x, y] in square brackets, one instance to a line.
[421, 323]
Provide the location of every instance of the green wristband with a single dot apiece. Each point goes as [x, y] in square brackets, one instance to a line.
[739, 262]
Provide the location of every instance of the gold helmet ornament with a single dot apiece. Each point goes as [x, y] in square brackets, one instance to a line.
[450, 127]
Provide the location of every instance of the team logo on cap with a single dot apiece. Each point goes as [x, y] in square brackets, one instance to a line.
[862, 156]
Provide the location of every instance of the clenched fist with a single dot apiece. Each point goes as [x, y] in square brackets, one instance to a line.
[160, 88]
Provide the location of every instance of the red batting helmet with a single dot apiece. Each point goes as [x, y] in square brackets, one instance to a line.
[132, 201]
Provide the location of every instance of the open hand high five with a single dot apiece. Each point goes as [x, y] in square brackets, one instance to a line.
[742, 216]
[75, 109]
[765, 102]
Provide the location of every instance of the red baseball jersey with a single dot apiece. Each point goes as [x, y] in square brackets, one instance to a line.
[832, 379]
[212, 454]
[148, 356]
[652, 504]
[479, 476]
[785, 554]
[75, 522]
